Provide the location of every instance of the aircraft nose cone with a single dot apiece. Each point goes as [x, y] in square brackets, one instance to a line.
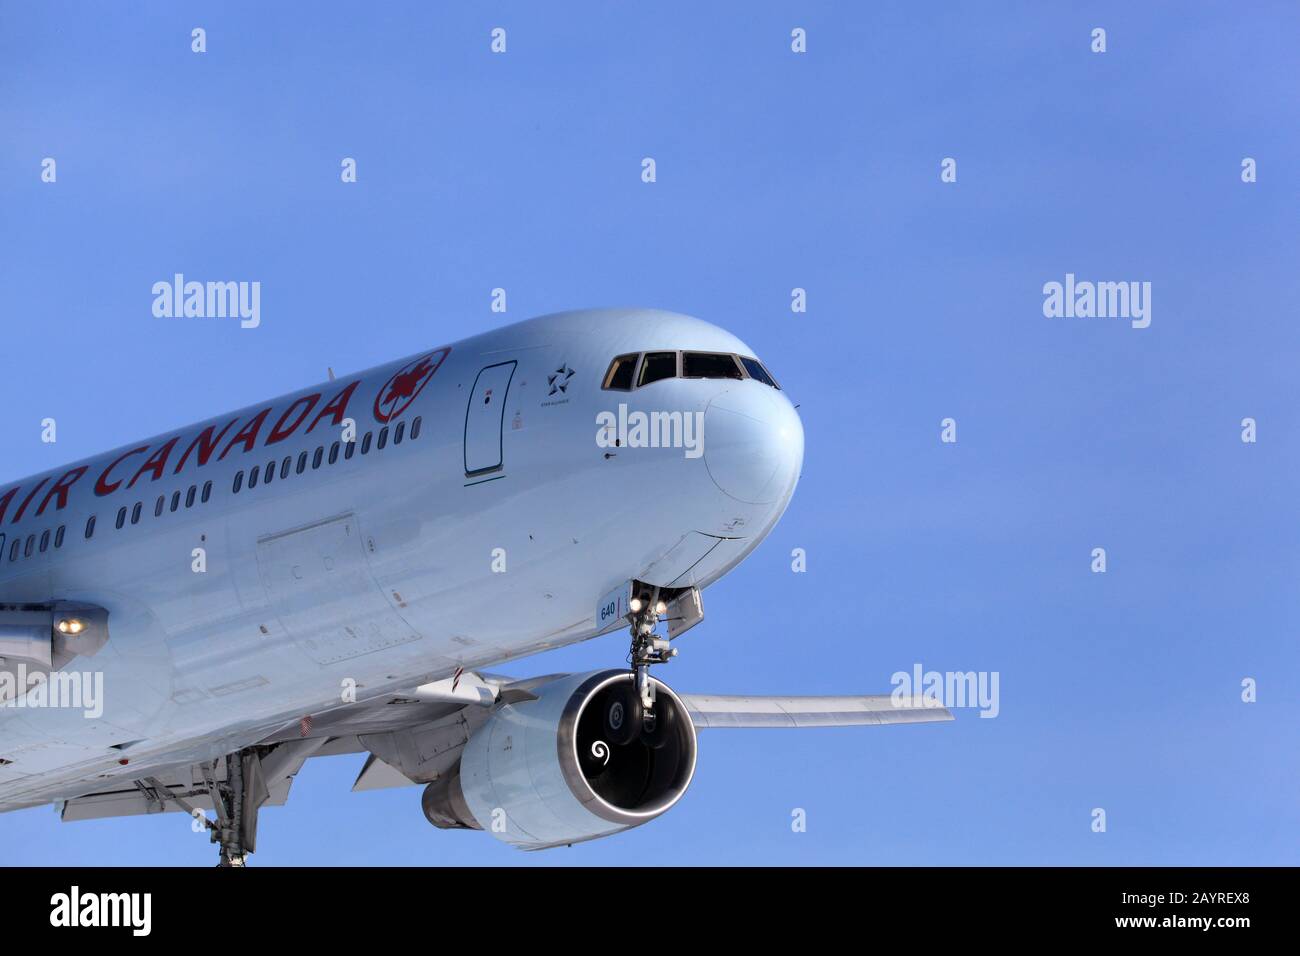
[753, 443]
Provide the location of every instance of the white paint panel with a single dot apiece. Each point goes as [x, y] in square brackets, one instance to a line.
[319, 582]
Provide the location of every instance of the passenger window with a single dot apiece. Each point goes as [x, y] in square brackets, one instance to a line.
[302, 463]
[2, 547]
[58, 538]
[176, 500]
[135, 514]
[13, 549]
[415, 427]
[619, 376]
[252, 477]
[284, 469]
[121, 518]
[45, 542]
[383, 438]
[189, 496]
[158, 508]
[400, 433]
[709, 365]
[316, 458]
[31, 544]
[90, 527]
[349, 450]
[239, 483]
[756, 371]
[207, 490]
[365, 444]
[334, 452]
[658, 365]
[268, 473]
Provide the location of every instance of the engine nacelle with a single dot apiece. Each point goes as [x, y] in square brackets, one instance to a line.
[555, 770]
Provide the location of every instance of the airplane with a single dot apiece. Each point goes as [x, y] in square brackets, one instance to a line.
[186, 620]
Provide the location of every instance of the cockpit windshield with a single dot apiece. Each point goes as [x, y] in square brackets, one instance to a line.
[650, 367]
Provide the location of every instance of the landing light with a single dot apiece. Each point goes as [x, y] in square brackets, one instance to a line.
[635, 604]
[70, 625]
[661, 608]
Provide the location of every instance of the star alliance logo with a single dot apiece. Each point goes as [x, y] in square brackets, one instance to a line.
[559, 379]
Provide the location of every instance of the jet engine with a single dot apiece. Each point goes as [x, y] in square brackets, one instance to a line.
[576, 759]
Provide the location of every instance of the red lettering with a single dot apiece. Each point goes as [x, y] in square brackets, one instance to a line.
[60, 489]
[4, 501]
[279, 433]
[206, 445]
[338, 407]
[156, 464]
[19, 516]
[102, 487]
[247, 435]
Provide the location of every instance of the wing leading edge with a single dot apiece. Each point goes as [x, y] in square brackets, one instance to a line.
[715, 710]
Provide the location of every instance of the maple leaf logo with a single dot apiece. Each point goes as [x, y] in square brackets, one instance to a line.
[404, 384]
[400, 390]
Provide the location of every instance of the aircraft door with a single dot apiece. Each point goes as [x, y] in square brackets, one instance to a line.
[485, 419]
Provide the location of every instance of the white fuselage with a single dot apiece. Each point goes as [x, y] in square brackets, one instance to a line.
[387, 568]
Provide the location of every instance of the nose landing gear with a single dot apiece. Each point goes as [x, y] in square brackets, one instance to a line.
[647, 648]
[629, 709]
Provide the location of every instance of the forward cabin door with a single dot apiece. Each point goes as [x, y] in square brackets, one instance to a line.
[485, 419]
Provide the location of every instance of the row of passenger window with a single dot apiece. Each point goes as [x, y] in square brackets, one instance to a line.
[642, 369]
[158, 507]
[18, 549]
[266, 474]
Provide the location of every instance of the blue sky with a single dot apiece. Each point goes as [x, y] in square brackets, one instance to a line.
[775, 170]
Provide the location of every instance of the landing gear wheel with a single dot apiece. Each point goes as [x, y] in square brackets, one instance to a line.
[659, 727]
[622, 714]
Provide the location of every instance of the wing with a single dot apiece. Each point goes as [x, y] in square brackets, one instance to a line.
[417, 736]
[713, 710]
[421, 731]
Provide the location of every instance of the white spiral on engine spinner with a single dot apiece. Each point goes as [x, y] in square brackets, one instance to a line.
[600, 749]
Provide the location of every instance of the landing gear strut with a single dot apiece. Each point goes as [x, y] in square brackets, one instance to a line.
[232, 832]
[647, 648]
[235, 798]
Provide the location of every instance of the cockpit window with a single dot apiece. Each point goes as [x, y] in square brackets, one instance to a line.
[620, 373]
[709, 365]
[658, 365]
[756, 371]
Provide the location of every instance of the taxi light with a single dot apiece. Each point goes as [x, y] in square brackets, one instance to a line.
[635, 604]
[70, 625]
[661, 608]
